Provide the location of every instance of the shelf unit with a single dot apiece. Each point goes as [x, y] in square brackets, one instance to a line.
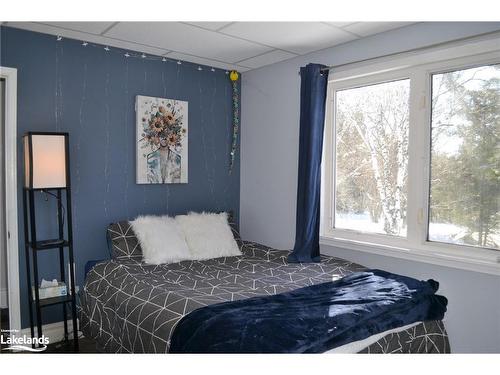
[33, 245]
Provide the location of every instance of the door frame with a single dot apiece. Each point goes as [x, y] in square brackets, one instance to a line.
[11, 209]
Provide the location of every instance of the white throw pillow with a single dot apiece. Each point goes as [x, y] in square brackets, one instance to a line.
[208, 235]
[161, 239]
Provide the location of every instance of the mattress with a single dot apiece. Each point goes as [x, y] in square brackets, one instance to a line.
[131, 307]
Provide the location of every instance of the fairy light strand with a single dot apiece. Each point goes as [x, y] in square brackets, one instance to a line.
[233, 75]
[140, 55]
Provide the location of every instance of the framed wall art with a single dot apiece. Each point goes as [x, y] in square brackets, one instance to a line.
[162, 140]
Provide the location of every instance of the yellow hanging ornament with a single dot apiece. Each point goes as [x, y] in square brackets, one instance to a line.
[233, 76]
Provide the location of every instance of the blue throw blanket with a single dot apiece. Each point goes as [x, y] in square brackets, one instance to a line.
[313, 319]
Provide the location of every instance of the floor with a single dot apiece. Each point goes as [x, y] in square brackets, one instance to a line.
[85, 346]
[4, 319]
[4, 325]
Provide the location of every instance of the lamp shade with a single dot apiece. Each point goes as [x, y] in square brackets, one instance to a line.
[45, 160]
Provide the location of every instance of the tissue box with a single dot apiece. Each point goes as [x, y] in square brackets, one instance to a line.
[51, 291]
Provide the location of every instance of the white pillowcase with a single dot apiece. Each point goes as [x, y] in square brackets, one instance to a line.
[208, 235]
[161, 239]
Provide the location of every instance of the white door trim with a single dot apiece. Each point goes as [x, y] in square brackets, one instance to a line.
[10, 76]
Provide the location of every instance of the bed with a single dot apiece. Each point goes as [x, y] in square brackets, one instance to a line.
[127, 306]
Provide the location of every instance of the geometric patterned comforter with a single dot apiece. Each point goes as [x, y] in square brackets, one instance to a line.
[129, 306]
[426, 337]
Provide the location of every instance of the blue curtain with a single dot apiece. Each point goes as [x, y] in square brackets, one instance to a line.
[312, 119]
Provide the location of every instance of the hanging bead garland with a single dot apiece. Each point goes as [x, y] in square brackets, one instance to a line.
[234, 76]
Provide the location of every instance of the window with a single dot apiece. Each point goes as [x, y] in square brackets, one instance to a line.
[372, 157]
[412, 156]
[465, 168]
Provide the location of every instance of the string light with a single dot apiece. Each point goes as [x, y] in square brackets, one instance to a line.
[135, 55]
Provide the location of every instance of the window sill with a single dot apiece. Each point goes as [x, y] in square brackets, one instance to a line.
[489, 263]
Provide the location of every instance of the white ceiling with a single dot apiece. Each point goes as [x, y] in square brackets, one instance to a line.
[226, 45]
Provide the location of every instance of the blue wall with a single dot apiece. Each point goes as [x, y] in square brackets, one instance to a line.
[90, 93]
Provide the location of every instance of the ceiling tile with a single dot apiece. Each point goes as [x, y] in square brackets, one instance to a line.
[187, 39]
[86, 27]
[267, 58]
[296, 37]
[202, 61]
[87, 37]
[209, 25]
[340, 24]
[371, 28]
[238, 45]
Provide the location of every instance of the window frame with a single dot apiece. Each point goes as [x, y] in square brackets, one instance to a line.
[330, 152]
[419, 68]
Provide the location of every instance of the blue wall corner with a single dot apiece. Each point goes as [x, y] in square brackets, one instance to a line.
[90, 93]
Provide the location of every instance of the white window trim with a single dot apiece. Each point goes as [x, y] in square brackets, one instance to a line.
[11, 229]
[418, 67]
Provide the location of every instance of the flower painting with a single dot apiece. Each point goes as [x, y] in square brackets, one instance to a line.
[162, 147]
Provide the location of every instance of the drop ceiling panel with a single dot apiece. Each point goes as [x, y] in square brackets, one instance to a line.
[187, 39]
[209, 25]
[87, 37]
[371, 28]
[267, 58]
[226, 45]
[296, 37]
[86, 27]
[202, 61]
[340, 24]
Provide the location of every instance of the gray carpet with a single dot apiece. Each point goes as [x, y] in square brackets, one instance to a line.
[4, 319]
[84, 346]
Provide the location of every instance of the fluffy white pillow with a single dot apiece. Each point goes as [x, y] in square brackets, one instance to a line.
[161, 239]
[208, 235]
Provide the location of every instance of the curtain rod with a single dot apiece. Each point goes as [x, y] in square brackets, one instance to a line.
[478, 36]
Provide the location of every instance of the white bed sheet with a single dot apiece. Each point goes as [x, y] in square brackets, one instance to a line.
[357, 346]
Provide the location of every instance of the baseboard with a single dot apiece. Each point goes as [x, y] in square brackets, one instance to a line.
[4, 297]
[54, 331]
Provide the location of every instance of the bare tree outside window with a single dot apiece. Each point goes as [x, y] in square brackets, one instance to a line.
[465, 157]
[372, 124]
